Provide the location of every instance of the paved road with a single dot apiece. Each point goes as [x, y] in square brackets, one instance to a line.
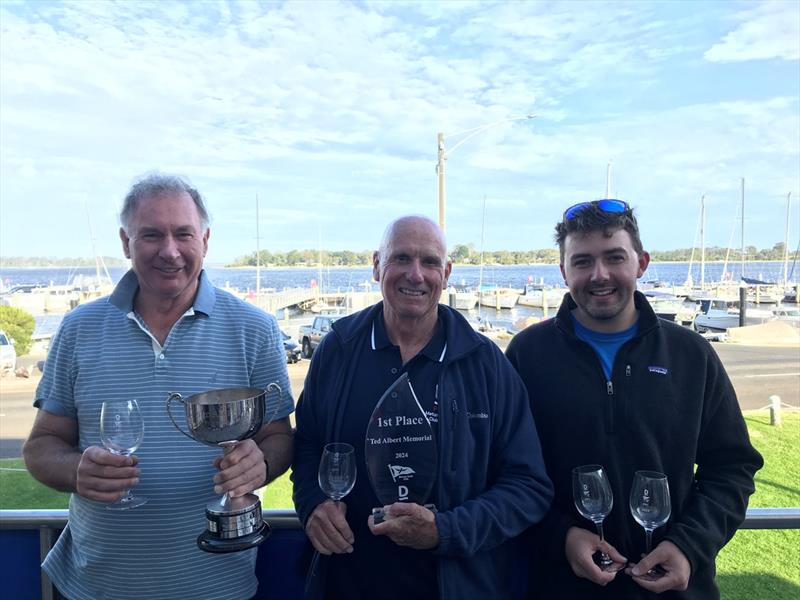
[756, 372]
[759, 372]
[17, 412]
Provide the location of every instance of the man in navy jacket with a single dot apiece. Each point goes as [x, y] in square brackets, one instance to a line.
[614, 385]
[491, 483]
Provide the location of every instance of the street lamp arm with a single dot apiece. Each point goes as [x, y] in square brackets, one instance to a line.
[480, 129]
[442, 155]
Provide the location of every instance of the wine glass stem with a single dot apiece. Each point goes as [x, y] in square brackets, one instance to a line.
[649, 539]
[599, 525]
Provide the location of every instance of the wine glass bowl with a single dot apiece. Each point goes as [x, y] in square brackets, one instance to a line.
[651, 508]
[594, 500]
[337, 470]
[122, 432]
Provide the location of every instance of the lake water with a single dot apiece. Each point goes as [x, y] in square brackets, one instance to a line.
[360, 278]
[344, 278]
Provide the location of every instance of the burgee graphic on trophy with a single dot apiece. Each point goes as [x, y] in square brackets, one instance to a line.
[399, 449]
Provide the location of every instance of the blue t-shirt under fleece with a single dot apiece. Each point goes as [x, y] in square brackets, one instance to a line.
[102, 352]
[362, 575]
[606, 345]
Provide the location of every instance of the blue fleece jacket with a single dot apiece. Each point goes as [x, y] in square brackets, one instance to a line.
[492, 481]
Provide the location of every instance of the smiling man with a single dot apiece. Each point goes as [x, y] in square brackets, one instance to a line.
[490, 482]
[164, 329]
[612, 385]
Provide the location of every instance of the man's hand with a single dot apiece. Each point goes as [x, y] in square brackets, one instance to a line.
[241, 470]
[675, 564]
[103, 476]
[580, 548]
[407, 524]
[328, 530]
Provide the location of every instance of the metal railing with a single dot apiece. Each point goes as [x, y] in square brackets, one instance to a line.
[757, 518]
[50, 523]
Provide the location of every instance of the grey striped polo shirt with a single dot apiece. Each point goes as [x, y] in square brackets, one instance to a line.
[102, 352]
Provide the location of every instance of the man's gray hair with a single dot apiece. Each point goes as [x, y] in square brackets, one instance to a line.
[389, 233]
[156, 184]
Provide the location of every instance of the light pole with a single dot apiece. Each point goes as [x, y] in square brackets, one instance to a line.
[442, 155]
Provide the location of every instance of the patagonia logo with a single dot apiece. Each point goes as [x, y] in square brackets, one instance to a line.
[659, 370]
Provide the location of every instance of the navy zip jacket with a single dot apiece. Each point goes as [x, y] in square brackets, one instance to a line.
[492, 484]
[669, 406]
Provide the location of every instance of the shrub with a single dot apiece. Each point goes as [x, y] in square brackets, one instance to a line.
[18, 324]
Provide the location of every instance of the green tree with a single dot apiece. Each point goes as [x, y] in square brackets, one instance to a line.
[18, 324]
[460, 254]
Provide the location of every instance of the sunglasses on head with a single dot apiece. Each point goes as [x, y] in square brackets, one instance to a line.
[608, 205]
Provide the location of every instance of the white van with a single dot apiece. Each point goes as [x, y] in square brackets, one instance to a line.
[8, 354]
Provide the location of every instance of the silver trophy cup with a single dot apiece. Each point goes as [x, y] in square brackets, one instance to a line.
[224, 418]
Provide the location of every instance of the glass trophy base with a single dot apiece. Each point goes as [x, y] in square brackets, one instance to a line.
[378, 516]
[233, 525]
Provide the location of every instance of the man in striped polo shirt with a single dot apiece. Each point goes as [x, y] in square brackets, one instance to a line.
[164, 329]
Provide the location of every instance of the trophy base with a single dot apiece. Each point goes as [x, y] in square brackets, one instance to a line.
[210, 542]
[235, 524]
[378, 516]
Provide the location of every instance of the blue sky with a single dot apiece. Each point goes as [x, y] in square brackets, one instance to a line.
[329, 112]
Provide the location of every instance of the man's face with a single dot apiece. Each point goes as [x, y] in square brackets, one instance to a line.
[413, 271]
[601, 274]
[166, 243]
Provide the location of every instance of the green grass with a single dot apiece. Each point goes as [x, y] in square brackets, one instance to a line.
[18, 490]
[765, 564]
[278, 494]
[755, 565]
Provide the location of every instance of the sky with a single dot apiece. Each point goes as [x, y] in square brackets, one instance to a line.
[325, 115]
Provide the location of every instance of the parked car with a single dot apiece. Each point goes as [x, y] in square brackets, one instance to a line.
[8, 354]
[292, 349]
[311, 335]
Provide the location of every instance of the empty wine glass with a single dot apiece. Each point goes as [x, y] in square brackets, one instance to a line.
[337, 470]
[594, 500]
[121, 431]
[650, 506]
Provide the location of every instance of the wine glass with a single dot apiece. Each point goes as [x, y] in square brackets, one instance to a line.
[650, 506]
[594, 500]
[121, 431]
[337, 470]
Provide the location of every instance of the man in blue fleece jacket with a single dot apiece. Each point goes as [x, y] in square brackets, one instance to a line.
[491, 482]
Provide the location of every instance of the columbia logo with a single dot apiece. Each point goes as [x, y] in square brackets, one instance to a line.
[659, 370]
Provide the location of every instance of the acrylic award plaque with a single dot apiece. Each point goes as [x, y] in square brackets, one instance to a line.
[399, 449]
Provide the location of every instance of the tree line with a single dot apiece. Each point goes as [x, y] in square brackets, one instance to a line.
[54, 261]
[466, 254]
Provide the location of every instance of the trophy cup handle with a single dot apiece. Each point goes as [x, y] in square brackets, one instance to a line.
[272, 387]
[172, 397]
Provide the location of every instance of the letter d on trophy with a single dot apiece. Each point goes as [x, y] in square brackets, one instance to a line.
[399, 449]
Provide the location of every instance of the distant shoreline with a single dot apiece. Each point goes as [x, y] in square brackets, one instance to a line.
[369, 266]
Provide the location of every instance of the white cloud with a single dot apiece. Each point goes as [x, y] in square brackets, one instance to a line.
[332, 109]
[771, 30]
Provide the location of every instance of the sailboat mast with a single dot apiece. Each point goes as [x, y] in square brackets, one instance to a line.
[98, 260]
[786, 242]
[480, 271]
[258, 257]
[703, 242]
[608, 180]
[319, 262]
[743, 253]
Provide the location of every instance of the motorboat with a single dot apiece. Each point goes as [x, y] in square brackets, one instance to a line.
[460, 297]
[715, 314]
[670, 307]
[537, 294]
[499, 297]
